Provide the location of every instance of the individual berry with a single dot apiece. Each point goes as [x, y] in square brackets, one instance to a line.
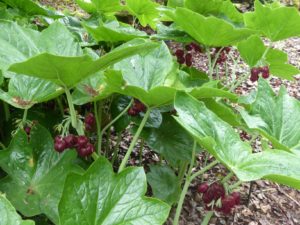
[181, 60]
[189, 47]
[132, 112]
[139, 106]
[189, 60]
[179, 53]
[228, 203]
[196, 47]
[86, 150]
[265, 72]
[59, 144]
[90, 119]
[227, 49]
[254, 74]
[237, 197]
[81, 141]
[27, 129]
[222, 58]
[214, 192]
[70, 141]
[202, 188]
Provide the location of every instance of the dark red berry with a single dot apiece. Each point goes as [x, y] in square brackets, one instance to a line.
[202, 188]
[179, 53]
[90, 119]
[265, 72]
[59, 144]
[237, 197]
[81, 141]
[181, 60]
[196, 47]
[214, 192]
[222, 58]
[189, 47]
[27, 129]
[70, 141]
[227, 49]
[139, 106]
[189, 59]
[228, 203]
[132, 112]
[86, 151]
[254, 74]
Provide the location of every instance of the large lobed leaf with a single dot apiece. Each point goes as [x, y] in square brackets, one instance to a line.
[35, 173]
[102, 197]
[210, 31]
[275, 117]
[8, 214]
[221, 140]
[276, 23]
[53, 54]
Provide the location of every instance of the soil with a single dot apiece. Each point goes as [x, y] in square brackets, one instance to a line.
[268, 203]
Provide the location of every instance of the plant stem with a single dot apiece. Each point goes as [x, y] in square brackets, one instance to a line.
[182, 171]
[227, 178]
[6, 111]
[98, 124]
[141, 152]
[24, 117]
[108, 135]
[112, 122]
[60, 106]
[116, 148]
[71, 108]
[207, 218]
[234, 186]
[134, 140]
[185, 187]
[208, 167]
[2, 145]
[210, 68]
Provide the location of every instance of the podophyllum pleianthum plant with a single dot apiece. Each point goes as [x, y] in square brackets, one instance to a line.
[70, 85]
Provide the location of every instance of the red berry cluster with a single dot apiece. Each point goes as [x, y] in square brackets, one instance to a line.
[222, 55]
[27, 129]
[185, 56]
[81, 143]
[136, 108]
[216, 191]
[256, 71]
[89, 122]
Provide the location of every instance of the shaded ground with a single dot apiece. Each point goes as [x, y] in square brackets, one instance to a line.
[269, 203]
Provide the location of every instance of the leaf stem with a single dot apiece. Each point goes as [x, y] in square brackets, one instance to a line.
[234, 186]
[2, 145]
[210, 68]
[98, 124]
[188, 181]
[116, 148]
[24, 117]
[134, 140]
[71, 108]
[112, 122]
[207, 217]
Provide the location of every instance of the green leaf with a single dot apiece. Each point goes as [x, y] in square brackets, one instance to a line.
[87, 6]
[29, 7]
[53, 54]
[35, 173]
[218, 8]
[24, 92]
[145, 11]
[279, 66]
[275, 117]
[107, 6]
[276, 23]
[175, 3]
[8, 214]
[246, 50]
[164, 183]
[203, 29]
[102, 197]
[221, 140]
[113, 31]
[172, 32]
[170, 140]
[69, 71]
